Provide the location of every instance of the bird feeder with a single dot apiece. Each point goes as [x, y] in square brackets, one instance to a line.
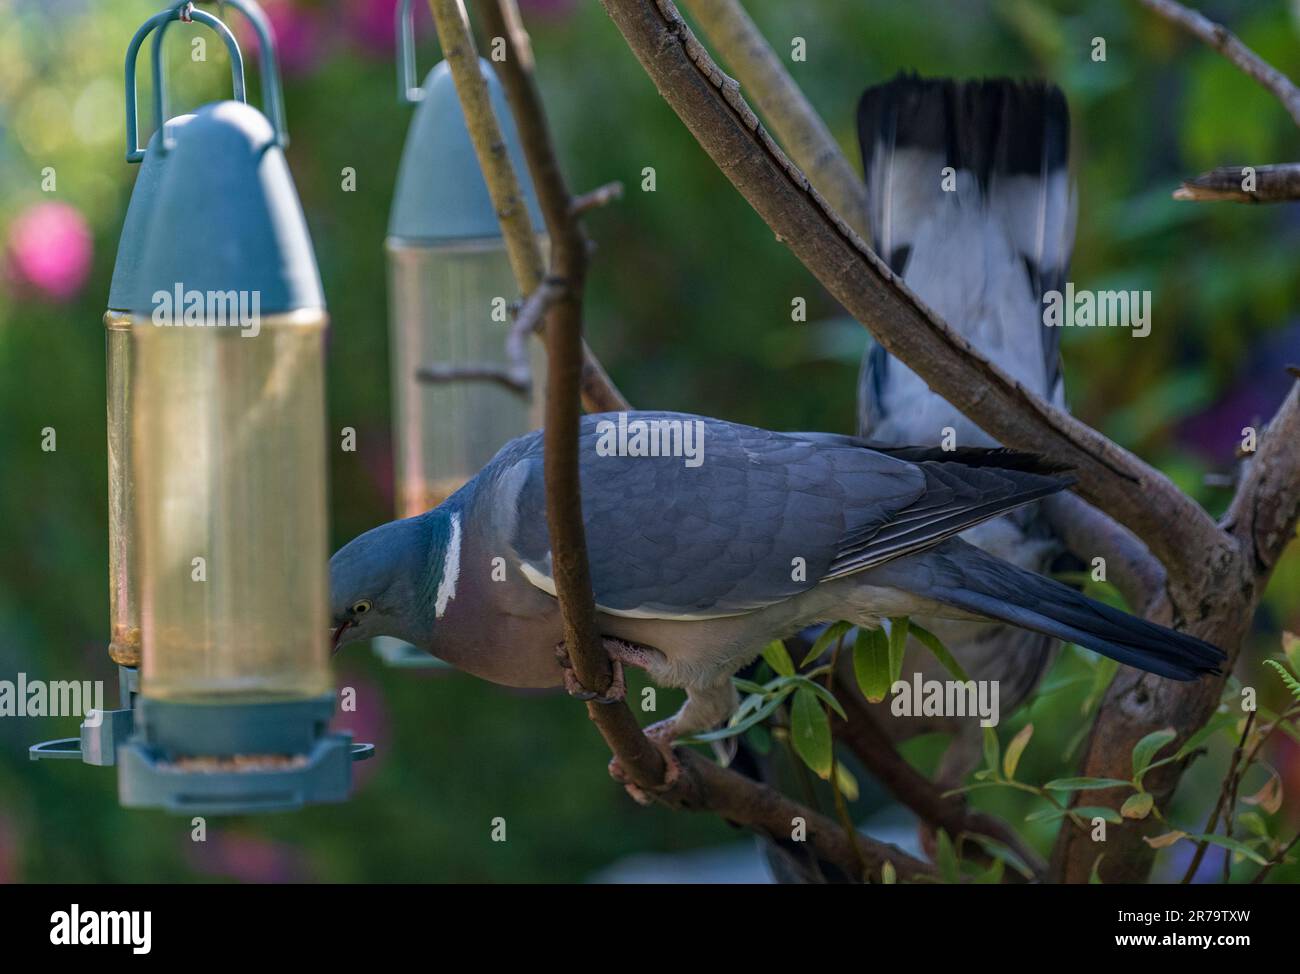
[449, 284]
[217, 456]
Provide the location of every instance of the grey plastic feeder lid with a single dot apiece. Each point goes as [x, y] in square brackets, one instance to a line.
[130, 248]
[227, 217]
[441, 194]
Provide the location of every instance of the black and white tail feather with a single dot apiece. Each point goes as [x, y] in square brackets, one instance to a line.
[971, 204]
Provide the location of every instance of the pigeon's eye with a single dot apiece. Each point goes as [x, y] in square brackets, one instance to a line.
[361, 608]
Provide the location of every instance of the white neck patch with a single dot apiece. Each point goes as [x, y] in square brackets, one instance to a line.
[450, 569]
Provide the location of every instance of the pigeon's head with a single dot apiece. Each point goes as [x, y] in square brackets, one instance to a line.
[375, 582]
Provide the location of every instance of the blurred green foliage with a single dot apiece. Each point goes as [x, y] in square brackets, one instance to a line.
[688, 308]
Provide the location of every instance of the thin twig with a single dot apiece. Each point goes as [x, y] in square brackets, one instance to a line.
[598, 197]
[1276, 860]
[1228, 787]
[517, 374]
[1226, 43]
[1244, 184]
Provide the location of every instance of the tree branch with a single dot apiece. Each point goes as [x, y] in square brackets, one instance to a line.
[1177, 530]
[1226, 43]
[1272, 184]
[781, 101]
[522, 247]
[1264, 510]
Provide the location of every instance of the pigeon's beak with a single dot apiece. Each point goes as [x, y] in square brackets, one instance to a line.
[337, 634]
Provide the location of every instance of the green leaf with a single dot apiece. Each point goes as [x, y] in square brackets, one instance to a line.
[871, 664]
[1215, 724]
[993, 875]
[810, 732]
[740, 726]
[1094, 877]
[897, 645]
[825, 695]
[1147, 748]
[1291, 682]
[1231, 844]
[1016, 748]
[946, 859]
[1086, 784]
[1102, 673]
[932, 642]
[1003, 853]
[992, 751]
[831, 634]
[778, 658]
[1138, 805]
[847, 784]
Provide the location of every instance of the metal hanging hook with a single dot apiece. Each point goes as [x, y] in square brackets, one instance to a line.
[268, 62]
[408, 87]
[159, 20]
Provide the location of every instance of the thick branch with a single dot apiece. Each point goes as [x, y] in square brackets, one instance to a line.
[1267, 503]
[780, 100]
[1226, 43]
[1176, 529]
[1270, 184]
[1261, 521]
[704, 786]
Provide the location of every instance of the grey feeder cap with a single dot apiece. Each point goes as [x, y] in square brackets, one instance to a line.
[441, 195]
[130, 248]
[227, 217]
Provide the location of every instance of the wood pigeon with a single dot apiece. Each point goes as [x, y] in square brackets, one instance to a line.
[708, 539]
[971, 204]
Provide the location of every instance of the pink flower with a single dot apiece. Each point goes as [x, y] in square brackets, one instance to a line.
[50, 250]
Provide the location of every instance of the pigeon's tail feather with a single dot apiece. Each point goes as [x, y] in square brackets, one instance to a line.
[970, 202]
[966, 578]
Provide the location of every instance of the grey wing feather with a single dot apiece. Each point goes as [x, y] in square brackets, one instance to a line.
[670, 541]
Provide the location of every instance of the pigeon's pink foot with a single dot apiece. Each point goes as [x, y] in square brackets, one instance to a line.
[620, 652]
[614, 693]
[661, 735]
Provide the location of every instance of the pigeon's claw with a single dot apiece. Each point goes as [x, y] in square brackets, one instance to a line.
[661, 736]
[614, 693]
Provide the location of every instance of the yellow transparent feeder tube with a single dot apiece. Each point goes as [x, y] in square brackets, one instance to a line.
[123, 579]
[442, 302]
[229, 469]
